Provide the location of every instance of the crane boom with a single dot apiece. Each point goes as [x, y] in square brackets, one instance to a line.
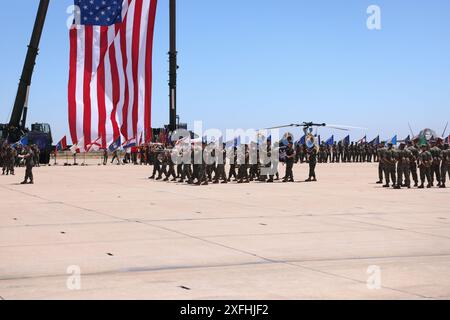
[27, 72]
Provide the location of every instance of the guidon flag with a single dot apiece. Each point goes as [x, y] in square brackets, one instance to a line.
[62, 145]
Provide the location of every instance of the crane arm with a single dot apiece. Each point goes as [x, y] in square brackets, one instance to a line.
[27, 72]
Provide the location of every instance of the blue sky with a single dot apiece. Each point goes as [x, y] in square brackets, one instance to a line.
[259, 63]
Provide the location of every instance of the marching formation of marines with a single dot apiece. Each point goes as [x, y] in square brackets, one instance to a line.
[410, 163]
[338, 152]
[406, 166]
[201, 166]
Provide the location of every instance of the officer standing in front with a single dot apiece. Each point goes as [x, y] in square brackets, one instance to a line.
[29, 164]
[290, 159]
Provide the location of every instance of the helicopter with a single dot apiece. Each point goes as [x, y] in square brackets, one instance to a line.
[310, 138]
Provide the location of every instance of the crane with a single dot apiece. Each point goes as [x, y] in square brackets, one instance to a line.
[40, 133]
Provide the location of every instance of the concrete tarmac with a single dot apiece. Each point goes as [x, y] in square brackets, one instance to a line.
[343, 237]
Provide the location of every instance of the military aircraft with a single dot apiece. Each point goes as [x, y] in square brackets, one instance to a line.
[428, 135]
[310, 138]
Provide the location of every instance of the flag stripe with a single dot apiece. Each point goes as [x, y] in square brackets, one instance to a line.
[101, 92]
[141, 69]
[109, 90]
[135, 62]
[87, 83]
[121, 78]
[115, 85]
[149, 71]
[73, 84]
[129, 69]
[94, 89]
[79, 87]
[123, 49]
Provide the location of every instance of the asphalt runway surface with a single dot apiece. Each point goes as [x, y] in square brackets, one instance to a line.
[107, 232]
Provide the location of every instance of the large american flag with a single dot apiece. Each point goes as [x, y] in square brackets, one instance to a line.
[110, 77]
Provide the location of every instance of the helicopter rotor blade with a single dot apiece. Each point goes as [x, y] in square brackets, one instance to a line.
[338, 128]
[280, 127]
[342, 127]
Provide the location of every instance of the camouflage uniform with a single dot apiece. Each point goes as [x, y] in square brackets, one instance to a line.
[340, 150]
[328, 153]
[322, 154]
[413, 164]
[290, 159]
[425, 160]
[14, 157]
[254, 166]
[445, 165]
[334, 152]
[312, 164]
[211, 164]
[116, 157]
[29, 164]
[352, 152]
[171, 164]
[3, 158]
[200, 171]
[191, 170]
[221, 158]
[370, 152]
[164, 163]
[363, 153]
[37, 155]
[105, 157]
[10, 159]
[435, 165]
[403, 168]
[233, 163]
[243, 166]
[186, 172]
[380, 154]
[156, 156]
[389, 167]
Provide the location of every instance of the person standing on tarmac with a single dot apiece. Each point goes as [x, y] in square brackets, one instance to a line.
[29, 164]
